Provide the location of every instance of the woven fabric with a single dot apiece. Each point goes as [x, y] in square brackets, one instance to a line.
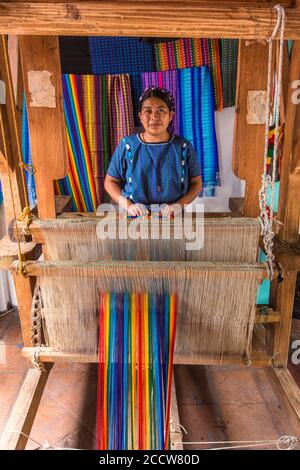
[187, 53]
[229, 59]
[27, 157]
[120, 55]
[80, 179]
[270, 154]
[106, 104]
[195, 120]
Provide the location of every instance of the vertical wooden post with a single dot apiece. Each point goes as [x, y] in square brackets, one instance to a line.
[289, 202]
[42, 82]
[11, 136]
[248, 139]
[282, 298]
[24, 290]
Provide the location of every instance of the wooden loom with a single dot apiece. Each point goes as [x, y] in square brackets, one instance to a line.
[248, 21]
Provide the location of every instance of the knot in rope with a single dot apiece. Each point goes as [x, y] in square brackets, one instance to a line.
[26, 216]
[27, 167]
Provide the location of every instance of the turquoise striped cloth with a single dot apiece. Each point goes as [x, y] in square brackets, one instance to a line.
[194, 118]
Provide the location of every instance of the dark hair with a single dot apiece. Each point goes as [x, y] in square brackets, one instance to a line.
[164, 95]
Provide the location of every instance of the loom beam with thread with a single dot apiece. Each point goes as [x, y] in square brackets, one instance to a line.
[272, 336]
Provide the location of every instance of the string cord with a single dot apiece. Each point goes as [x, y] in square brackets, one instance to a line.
[267, 215]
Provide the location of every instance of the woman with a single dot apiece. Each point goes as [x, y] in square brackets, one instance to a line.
[154, 166]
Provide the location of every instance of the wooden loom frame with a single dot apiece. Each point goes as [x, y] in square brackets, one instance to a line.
[38, 26]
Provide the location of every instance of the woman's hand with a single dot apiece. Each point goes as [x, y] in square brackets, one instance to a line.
[170, 210]
[137, 209]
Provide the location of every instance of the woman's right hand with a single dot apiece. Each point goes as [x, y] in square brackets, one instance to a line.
[137, 209]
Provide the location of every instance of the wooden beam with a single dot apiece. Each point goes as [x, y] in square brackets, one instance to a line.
[289, 203]
[12, 135]
[21, 419]
[163, 19]
[71, 221]
[266, 315]
[248, 138]
[141, 268]
[282, 300]
[41, 68]
[8, 197]
[9, 251]
[258, 358]
[288, 392]
[24, 291]
[175, 429]
[287, 254]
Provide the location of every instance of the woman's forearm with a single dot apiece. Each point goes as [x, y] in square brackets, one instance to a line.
[115, 192]
[193, 191]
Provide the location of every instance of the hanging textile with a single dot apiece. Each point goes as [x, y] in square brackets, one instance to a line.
[195, 120]
[187, 53]
[229, 59]
[136, 347]
[27, 157]
[106, 105]
[271, 151]
[118, 55]
[80, 179]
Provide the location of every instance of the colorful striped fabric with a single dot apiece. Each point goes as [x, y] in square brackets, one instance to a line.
[187, 53]
[229, 59]
[80, 180]
[195, 120]
[27, 157]
[106, 104]
[270, 154]
[136, 347]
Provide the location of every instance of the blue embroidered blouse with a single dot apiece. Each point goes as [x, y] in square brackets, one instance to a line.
[154, 173]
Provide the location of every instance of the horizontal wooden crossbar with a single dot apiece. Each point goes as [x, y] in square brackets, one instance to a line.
[148, 269]
[39, 227]
[258, 358]
[144, 18]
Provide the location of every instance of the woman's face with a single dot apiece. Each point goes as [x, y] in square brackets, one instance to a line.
[155, 116]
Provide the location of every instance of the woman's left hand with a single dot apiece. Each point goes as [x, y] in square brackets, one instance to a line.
[170, 210]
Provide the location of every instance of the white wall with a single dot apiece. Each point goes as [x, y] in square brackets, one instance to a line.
[231, 186]
[7, 290]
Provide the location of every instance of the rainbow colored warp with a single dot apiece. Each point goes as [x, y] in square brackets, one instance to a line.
[194, 116]
[187, 53]
[136, 347]
[99, 114]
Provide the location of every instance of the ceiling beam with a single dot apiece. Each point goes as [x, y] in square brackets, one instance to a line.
[144, 18]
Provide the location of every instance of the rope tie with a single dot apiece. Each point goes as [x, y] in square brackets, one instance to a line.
[27, 167]
[36, 362]
[26, 216]
[266, 211]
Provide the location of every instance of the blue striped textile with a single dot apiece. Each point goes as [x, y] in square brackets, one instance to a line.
[27, 157]
[195, 119]
[118, 55]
